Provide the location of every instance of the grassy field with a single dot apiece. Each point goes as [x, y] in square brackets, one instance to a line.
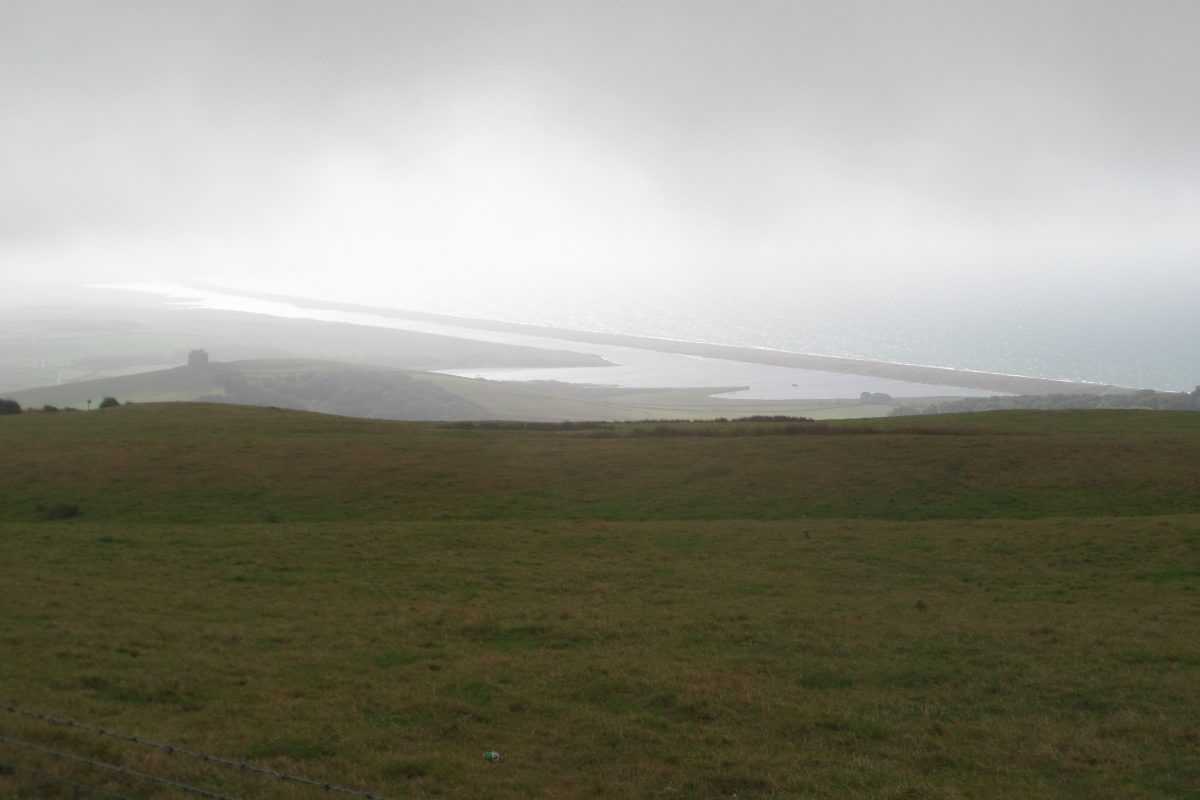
[206, 463]
[1002, 606]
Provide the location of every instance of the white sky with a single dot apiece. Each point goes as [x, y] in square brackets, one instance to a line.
[357, 150]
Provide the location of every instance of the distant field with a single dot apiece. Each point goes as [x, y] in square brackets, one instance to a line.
[207, 463]
[1003, 606]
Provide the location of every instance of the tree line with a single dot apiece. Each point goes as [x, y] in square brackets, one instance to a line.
[9, 406]
[1143, 399]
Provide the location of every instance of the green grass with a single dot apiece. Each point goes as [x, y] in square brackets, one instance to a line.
[209, 463]
[831, 659]
[428, 594]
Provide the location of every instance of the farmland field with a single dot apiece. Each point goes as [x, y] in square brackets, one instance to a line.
[992, 605]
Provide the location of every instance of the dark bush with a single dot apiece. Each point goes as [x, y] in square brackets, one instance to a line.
[49, 407]
[520, 425]
[10, 407]
[58, 510]
[109, 402]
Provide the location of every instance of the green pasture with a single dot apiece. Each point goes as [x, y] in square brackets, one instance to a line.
[1005, 610]
[202, 463]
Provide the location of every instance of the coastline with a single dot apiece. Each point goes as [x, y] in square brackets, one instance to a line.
[934, 376]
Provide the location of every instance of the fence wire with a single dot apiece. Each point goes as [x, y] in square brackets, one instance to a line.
[92, 762]
[94, 790]
[206, 758]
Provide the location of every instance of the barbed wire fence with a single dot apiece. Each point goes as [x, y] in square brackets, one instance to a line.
[104, 765]
[94, 791]
[242, 767]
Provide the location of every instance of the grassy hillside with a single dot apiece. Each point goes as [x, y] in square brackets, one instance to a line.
[336, 387]
[1005, 610]
[324, 386]
[165, 385]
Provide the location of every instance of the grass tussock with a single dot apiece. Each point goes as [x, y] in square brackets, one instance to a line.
[50, 511]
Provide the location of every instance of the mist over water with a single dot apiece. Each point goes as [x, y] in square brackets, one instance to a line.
[1141, 336]
[1006, 187]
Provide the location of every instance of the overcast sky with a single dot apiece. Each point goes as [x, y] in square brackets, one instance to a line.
[354, 149]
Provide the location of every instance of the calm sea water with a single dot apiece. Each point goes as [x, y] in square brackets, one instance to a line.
[1132, 334]
[1127, 332]
[627, 366]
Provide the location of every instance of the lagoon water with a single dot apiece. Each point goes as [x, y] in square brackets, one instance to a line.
[1138, 334]
[631, 367]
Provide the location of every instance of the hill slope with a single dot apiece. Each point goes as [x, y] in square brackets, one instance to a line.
[323, 386]
[335, 387]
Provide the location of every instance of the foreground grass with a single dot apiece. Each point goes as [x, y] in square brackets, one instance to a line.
[1007, 608]
[679, 659]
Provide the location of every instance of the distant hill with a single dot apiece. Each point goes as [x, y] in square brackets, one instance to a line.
[324, 386]
[358, 390]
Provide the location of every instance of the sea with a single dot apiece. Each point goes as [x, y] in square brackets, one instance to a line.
[1143, 335]
[1139, 335]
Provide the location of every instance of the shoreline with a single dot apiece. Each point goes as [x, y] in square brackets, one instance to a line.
[934, 376]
